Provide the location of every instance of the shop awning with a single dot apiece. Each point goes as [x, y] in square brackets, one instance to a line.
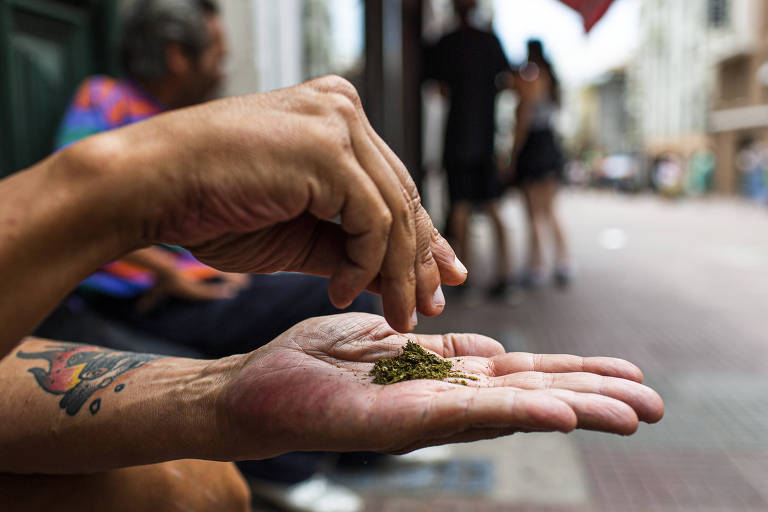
[591, 10]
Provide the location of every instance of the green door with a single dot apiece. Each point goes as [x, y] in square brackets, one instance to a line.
[46, 48]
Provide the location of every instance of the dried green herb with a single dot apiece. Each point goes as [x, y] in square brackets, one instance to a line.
[414, 363]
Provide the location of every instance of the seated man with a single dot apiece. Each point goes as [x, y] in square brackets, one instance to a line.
[172, 53]
[250, 184]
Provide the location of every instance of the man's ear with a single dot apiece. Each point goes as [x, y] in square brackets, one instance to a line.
[176, 59]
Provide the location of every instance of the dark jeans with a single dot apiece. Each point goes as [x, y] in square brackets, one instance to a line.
[217, 328]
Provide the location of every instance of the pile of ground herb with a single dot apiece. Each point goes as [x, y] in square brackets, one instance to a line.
[414, 363]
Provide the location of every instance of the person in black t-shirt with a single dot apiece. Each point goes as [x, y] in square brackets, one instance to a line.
[467, 62]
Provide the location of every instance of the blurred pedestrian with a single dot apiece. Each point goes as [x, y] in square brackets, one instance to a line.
[701, 171]
[537, 163]
[751, 163]
[467, 62]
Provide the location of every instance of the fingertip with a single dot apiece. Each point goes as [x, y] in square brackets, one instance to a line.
[452, 270]
[613, 367]
[549, 413]
[630, 426]
[399, 325]
[630, 371]
[438, 298]
[459, 273]
[459, 266]
[398, 317]
[612, 416]
[432, 304]
[654, 411]
[341, 294]
[339, 302]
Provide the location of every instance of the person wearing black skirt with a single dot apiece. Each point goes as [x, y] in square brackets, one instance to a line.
[537, 163]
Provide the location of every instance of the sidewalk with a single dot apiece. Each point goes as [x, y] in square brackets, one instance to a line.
[680, 289]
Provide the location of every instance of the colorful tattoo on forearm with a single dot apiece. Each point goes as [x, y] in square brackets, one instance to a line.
[78, 371]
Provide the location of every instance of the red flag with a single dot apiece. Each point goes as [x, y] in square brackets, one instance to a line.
[591, 10]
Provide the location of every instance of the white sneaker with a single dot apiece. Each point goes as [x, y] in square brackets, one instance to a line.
[316, 494]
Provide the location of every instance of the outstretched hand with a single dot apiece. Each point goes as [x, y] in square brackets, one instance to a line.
[310, 389]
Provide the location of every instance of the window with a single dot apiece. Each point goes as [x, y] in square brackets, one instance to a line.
[734, 79]
[717, 12]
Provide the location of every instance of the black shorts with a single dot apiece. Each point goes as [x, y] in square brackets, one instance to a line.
[540, 159]
[477, 182]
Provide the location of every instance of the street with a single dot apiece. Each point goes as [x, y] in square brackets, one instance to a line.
[678, 288]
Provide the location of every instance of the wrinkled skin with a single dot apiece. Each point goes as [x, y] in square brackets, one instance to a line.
[259, 179]
[310, 389]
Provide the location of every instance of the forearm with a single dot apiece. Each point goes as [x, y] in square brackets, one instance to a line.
[59, 221]
[73, 408]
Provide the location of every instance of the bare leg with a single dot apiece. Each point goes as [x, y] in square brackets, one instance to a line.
[460, 213]
[502, 250]
[182, 485]
[561, 248]
[532, 194]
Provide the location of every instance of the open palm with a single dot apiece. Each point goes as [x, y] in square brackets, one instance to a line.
[310, 389]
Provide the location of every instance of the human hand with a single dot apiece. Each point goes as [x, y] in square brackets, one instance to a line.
[310, 389]
[181, 286]
[248, 184]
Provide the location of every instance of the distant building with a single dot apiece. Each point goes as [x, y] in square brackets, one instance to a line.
[603, 120]
[673, 81]
[740, 114]
[278, 43]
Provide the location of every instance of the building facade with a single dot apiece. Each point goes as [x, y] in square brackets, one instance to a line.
[673, 84]
[740, 114]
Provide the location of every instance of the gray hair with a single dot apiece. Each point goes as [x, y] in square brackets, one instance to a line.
[148, 26]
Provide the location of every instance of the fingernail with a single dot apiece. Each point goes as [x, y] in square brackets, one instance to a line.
[438, 299]
[414, 318]
[459, 265]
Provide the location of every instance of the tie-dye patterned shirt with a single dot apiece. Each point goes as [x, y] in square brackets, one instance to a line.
[102, 103]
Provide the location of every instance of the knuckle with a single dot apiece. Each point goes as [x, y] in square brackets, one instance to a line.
[424, 256]
[333, 137]
[385, 220]
[409, 185]
[341, 105]
[414, 202]
[341, 140]
[342, 86]
[404, 215]
[338, 85]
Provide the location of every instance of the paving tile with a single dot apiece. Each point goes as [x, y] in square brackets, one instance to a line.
[685, 299]
[653, 479]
